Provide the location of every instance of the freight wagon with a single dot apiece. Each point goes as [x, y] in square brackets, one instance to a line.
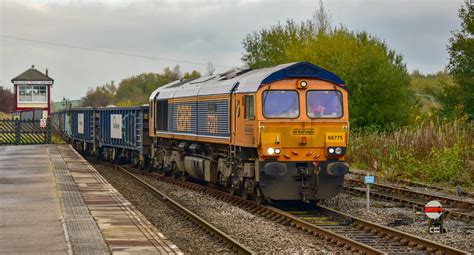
[61, 122]
[123, 134]
[83, 127]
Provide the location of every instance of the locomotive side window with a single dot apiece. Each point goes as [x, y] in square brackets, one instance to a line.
[249, 107]
[162, 115]
[324, 104]
[280, 104]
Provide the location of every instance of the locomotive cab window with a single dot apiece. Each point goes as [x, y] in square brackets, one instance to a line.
[280, 104]
[162, 115]
[249, 107]
[324, 104]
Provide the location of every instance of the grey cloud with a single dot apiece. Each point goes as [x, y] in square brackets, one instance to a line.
[199, 31]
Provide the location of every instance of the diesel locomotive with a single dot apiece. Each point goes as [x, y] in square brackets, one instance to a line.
[277, 133]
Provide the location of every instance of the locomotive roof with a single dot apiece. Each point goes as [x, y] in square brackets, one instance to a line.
[243, 81]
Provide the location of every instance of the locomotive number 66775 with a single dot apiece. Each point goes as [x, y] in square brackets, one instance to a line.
[276, 133]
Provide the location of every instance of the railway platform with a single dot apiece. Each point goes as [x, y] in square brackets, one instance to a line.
[52, 201]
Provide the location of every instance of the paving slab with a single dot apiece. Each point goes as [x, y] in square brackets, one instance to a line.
[52, 201]
[30, 212]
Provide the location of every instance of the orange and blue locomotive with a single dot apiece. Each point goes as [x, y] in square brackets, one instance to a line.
[276, 133]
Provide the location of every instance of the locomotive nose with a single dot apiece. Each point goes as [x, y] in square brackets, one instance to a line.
[337, 169]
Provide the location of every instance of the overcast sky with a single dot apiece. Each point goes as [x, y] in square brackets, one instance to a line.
[194, 31]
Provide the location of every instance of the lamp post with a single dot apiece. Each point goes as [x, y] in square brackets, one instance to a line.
[66, 104]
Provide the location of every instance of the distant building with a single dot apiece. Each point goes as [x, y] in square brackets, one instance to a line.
[32, 91]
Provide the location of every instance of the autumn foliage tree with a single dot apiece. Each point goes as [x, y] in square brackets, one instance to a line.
[135, 90]
[6, 100]
[376, 76]
[100, 96]
[461, 65]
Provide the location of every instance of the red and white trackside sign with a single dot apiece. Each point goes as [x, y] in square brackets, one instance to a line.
[433, 209]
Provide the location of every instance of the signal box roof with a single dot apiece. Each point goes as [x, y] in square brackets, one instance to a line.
[32, 74]
[243, 81]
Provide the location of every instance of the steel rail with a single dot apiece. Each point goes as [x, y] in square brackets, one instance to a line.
[331, 237]
[236, 246]
[410, 197]
[420, 185]
[271, 213]
[399, 190]
[390, 233]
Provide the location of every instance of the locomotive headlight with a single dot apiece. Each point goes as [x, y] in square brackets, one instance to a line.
[336, 151]
[270, 151]
[302, 84]
[277, 151]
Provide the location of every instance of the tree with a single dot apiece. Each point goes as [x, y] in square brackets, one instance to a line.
[101, 95]
[6, 100]
[192, 75]
[210, 68]
[172, 74]
[461, 65]
[375, 75]
[321, 18]
[135, 90]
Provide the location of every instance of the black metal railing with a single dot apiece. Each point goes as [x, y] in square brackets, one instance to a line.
[16, 132]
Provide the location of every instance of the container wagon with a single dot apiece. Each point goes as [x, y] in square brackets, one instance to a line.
[123, 134]
[84, 128]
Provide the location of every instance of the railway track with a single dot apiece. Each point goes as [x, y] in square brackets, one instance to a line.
[233, 244]
[461, 209]
[410, 183]
[350, 233]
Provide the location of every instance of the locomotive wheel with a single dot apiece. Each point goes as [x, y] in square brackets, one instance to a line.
[232, 190]
[232, 186]
[184, 177]
[245, 195]
[245, 191]
[141, 164]
[258, 196]
[174, 174]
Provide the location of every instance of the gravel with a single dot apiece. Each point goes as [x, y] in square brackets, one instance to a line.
[257, 233]
[194, 241]
[443, 192]
[459, 234]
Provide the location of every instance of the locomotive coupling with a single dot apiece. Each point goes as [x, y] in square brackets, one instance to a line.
[337, 169]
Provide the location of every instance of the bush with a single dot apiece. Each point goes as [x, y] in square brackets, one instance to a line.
[375, 75]
[432, 151]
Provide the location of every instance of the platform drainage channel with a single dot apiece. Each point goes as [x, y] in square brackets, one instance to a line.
[84, 235]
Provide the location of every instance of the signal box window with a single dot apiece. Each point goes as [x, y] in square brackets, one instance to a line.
[35, 94]
[249, 107]
[280, 104]
[324, 103]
